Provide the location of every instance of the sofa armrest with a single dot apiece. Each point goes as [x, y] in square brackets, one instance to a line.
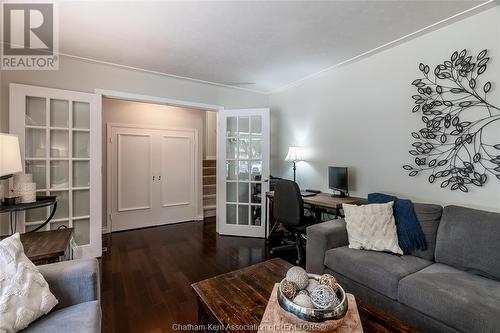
[73, 282]
[320, 238]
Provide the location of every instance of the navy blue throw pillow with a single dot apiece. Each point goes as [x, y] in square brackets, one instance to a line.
[409, 231]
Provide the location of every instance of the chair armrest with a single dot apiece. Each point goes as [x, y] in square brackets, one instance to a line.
[73, 282]
[320, 238]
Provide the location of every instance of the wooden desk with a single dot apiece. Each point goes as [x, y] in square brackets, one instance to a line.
[325, 200]
[322, 201]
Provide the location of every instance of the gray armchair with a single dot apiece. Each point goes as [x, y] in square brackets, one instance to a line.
[76, 285]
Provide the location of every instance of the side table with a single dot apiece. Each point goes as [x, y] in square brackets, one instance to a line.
[46, 247]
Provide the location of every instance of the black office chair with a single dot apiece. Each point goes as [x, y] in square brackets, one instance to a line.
[288, 209]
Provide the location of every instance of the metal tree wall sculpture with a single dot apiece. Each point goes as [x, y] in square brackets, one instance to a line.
[453, 146]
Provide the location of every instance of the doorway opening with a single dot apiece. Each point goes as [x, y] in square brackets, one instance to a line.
[160, 163]
[210, 166]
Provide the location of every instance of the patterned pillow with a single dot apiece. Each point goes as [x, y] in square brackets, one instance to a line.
[371, 227]
[24, 293]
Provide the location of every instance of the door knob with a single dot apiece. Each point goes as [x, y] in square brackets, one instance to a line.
[153, 178]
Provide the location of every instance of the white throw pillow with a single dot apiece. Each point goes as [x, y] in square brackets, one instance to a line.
[24, 293]
[372, 227]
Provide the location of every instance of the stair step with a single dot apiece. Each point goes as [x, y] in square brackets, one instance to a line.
[209, 189]
[209, 213]
[209, 163]
[209, 171]
[209, 180]
[209, 201]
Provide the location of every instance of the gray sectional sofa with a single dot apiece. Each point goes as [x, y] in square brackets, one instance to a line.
[453, 286]
[76, 286]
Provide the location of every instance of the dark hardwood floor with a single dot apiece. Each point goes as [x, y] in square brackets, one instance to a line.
[147, 273]
[147, 276]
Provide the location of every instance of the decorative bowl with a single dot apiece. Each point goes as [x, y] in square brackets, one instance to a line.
[315, 315]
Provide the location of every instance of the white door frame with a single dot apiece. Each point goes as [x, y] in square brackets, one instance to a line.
[127, 96]
[156, 100]
[197, 180]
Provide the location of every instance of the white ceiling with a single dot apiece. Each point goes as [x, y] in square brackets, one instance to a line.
[269, 44]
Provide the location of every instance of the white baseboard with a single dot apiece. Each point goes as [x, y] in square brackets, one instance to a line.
[210, 157]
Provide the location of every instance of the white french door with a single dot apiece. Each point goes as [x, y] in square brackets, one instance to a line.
[153, 176]
[60, 138]
[242, 171]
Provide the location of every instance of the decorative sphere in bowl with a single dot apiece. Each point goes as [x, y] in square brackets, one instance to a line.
[335, 312]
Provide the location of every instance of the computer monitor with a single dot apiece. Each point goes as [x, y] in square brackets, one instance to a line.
[337, 180]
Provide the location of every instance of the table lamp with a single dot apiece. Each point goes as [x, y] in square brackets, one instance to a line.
[294, 155]
[10, 158]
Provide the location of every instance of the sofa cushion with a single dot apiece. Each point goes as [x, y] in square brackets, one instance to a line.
[410, 235]
[466, 302]
[79, 318]
[371, 227]
[428, 216]
[379, 271]
[468, 240]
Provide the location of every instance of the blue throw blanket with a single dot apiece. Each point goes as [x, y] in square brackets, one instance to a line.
[409, 231]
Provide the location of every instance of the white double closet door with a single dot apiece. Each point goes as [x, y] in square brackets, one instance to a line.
[153, 177]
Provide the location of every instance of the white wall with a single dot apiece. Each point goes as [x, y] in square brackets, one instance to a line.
[359, 115]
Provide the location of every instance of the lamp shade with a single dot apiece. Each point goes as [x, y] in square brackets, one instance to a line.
[294, 154]
[10, 155]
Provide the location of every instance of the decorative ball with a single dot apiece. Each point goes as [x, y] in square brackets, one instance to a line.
[298, 275]
[313, 283]
[303, 300]
[323, 297]
[303, 292]
[329, 280]
[289, 289]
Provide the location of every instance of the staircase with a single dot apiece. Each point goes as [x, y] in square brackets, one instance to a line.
[209, 188]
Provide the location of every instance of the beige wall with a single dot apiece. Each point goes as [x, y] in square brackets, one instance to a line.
[210, 149]
[144, 114]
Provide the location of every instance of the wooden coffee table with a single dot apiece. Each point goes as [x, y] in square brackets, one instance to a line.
[236, 301]
[240, 298]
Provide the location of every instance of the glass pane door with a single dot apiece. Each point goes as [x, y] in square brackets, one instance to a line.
[56, 147]
[245, 160]
[63, 169]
